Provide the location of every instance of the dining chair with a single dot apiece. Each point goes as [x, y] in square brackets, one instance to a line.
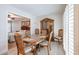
[47, 43]
[43, 34]
[37, 31]
[21, 48]
[59, 37]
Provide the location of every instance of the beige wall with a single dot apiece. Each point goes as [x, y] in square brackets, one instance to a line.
[76, 29]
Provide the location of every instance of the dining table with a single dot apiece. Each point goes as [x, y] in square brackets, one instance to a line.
[34, 40]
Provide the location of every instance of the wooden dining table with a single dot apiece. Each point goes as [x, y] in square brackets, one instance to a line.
[33, 40]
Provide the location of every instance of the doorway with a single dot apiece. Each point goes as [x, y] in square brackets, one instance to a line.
[17, 23]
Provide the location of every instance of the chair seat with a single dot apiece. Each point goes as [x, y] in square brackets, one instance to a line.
[57, 37]
[44, 43]
[29, 49]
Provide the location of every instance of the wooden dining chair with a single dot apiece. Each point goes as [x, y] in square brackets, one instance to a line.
[21, 48]
[59, 37]
[43, 34]
[47, 43]
[37, 31]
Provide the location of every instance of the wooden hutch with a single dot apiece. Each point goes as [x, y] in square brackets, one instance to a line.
[47, 25]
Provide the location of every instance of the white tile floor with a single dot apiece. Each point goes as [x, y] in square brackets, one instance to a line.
[55, 50]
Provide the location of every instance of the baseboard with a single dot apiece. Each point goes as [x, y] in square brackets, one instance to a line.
[5, 53]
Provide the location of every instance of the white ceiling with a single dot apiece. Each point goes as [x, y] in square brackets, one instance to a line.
[41, 9]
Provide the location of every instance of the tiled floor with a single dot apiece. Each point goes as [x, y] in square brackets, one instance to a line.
[56, 50]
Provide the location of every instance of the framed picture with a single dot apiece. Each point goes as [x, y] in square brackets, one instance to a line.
[25, 23]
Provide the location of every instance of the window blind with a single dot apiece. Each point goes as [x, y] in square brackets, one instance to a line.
[68, 40]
